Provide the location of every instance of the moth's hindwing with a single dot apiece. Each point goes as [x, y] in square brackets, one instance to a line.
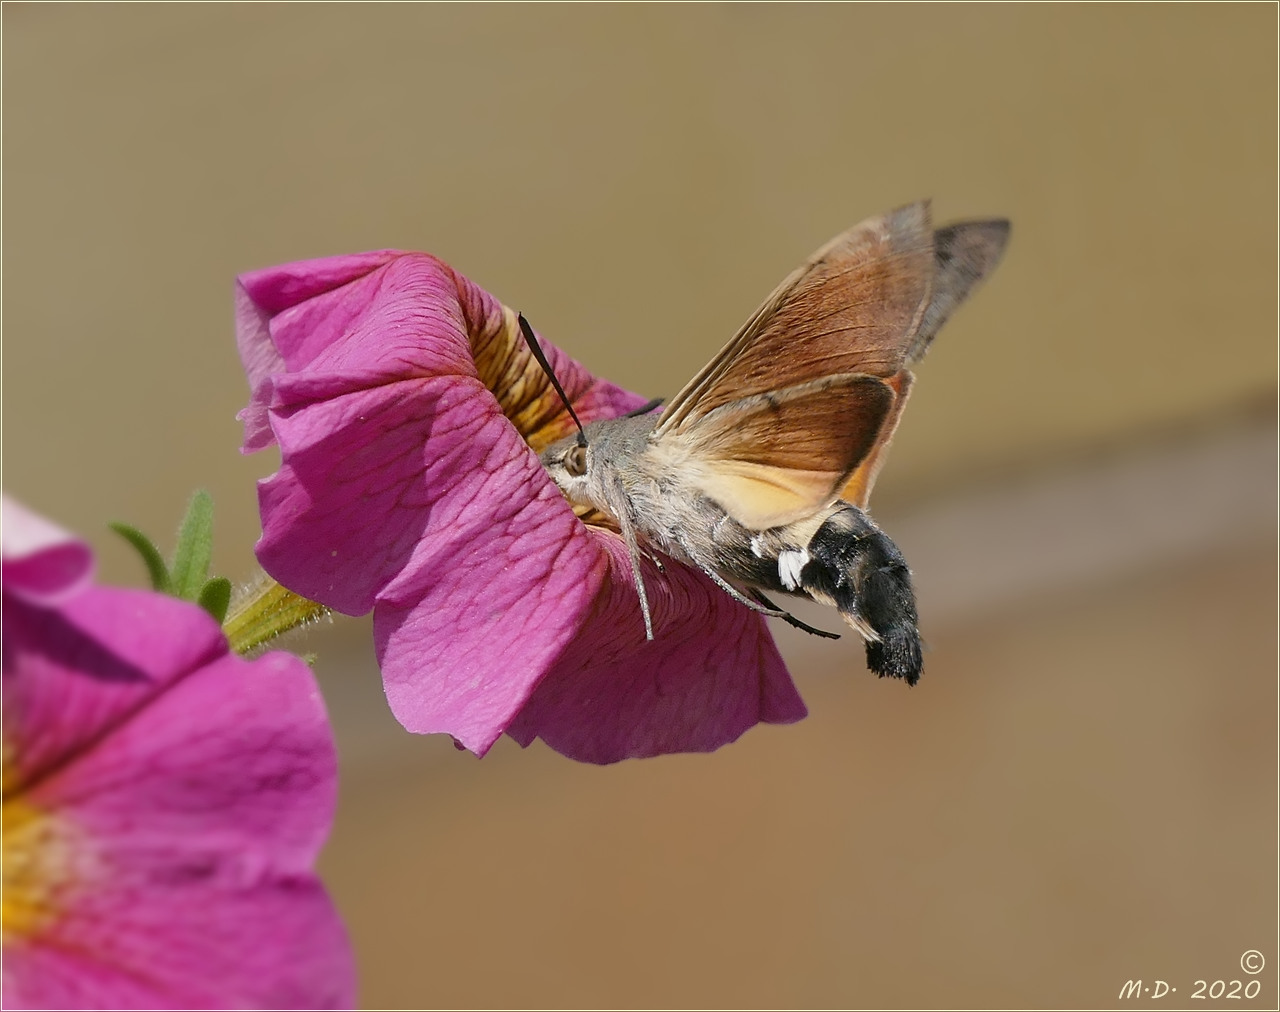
[964, 254]
[857, 489]
[782, 456]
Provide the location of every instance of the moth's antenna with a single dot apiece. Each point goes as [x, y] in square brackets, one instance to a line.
[644, 409]
[536, 348]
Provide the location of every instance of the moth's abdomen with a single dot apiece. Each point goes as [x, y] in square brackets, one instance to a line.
[839, 558]
[854, 566]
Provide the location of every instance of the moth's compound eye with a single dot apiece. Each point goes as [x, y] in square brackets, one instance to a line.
[575, 461]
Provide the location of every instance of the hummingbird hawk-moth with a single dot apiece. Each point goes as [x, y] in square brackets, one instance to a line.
[758, 471]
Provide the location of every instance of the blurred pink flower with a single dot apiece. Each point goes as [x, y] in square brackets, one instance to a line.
[408, 411]
[164, 801]
[40, 561]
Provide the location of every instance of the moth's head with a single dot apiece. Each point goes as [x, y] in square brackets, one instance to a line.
[569, 464]
[577, 464]
[595, 467]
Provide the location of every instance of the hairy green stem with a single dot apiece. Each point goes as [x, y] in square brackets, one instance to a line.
[265, 610]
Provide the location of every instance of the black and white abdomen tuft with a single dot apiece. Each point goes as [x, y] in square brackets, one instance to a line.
[851, 564]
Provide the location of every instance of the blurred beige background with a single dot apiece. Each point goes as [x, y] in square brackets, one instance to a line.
[1083, 789]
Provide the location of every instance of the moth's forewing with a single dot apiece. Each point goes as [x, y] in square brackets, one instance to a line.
[852, 307]
[788, 412]
[869, 302]
[781, 456]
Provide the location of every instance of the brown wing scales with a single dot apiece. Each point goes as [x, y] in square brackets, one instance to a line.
[799, 408]
[781, 456]
[851, 308]
[825, 425]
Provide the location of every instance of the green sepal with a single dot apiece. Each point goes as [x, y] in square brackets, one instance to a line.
[215, 597]
[190, 566]
[265, 610]
[151, 556]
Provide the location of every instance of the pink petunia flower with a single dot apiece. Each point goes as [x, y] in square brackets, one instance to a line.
[408, 413]
[164, 802]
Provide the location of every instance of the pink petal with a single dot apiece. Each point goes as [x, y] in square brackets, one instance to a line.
[486, 606]
[234, 762]
[199, 787]
[434, 508]
[376, 483]
[401, 321]
[177, 943]
[261, 362]
[259, 295]
[74, 674]
[275, 289]
[41, 561]
[711, 672]
[358, 321]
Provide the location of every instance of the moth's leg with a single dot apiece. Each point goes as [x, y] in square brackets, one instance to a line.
[734, 593]
[727, 587]
[791, 620]
[633, 549]
[763, 607]
[766, 607]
